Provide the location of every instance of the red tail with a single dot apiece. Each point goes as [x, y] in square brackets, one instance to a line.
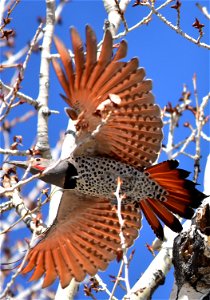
[182, 197]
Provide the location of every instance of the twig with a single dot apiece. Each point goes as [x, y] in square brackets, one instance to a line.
[19, 184]
[5, 206]
[174, 117]
[104, 286]
[27, 292]
[117, 280]
[2, 9]
[15, 57]
[205, 136]
[175, 28]
[194, 80]
[177, 6]
[25, 214]
[8, 14]
[121, 12]
[15, 152]
[25, 98]
[200, 117]
[115, 13]
[12, 59]
[186, 143]
[121, 235]
[204, 10]
[12, 93]
[144, 21]
[30, 219]
[11, 282]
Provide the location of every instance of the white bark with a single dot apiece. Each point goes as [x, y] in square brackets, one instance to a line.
[43, 110]
[156, 272]
[114, 17]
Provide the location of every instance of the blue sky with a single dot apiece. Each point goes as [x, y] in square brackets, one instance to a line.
[169, 60]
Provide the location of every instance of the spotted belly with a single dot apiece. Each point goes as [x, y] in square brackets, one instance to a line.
[98, 177]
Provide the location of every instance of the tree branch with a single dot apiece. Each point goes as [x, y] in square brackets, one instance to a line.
[175, 28]
[114, 16]
[43, 110]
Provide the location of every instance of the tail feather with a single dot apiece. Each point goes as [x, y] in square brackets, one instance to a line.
[152, 219]
[173, 174]
[165, 215]
[179, 208]
[182, 197]
[163, 167]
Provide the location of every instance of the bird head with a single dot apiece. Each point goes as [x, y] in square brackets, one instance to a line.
[62, 173]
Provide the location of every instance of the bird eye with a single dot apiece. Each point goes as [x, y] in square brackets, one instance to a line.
[38, 159]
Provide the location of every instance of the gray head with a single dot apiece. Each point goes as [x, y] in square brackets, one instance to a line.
[62, 173]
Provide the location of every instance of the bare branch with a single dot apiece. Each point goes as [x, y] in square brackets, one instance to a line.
[25, 214]
[175, 28]
[7, 89]
[10, 10]
[156, 272]
[121, 12]
[103, 286]
[19, 184]
[43, 110]
[200, 117]
[117, 280]
[144, 21]
[204, 10]
[5, 206]
[11, 282]
[115, 13]
[121, 235]
[12, 59]
[15, 152]
[13, 92]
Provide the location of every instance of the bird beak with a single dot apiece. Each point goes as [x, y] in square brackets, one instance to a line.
[20, 164]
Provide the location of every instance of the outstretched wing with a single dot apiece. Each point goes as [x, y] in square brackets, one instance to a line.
[83, 239]
[111, 101]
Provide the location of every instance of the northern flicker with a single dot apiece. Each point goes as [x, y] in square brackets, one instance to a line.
[119, 134]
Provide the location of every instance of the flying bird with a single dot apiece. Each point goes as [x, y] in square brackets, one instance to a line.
[118, 135]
